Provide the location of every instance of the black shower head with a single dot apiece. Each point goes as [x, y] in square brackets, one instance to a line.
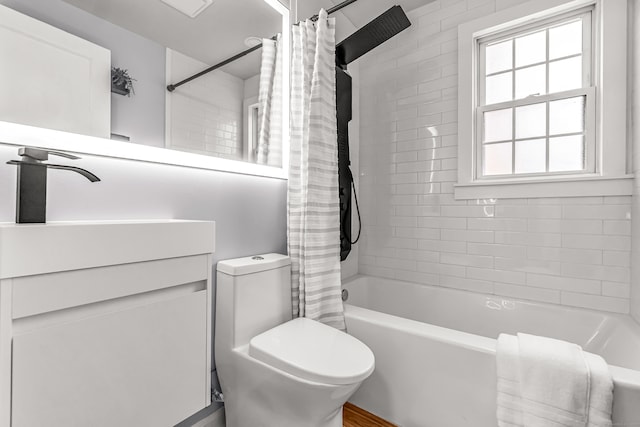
[371, 35]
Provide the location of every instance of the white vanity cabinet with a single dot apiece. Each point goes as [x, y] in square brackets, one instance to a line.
[104, 324]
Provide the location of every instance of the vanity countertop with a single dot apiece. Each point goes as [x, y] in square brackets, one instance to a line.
[28, 249]
[100, 223]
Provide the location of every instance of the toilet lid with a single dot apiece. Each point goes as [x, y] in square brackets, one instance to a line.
[314, 351]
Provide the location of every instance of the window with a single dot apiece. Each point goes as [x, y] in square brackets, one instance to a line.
[532, 108]
[251, 133]
[535, 92]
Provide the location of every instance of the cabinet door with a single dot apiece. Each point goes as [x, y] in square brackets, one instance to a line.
[52, 79]
[142, 366]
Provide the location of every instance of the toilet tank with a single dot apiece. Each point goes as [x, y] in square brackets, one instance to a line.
[253, 294]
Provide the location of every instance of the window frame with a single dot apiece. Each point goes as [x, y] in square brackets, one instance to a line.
[587, 90]
[589, 132]
[605, 121]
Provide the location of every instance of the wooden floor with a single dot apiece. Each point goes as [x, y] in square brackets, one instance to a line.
[358, 417]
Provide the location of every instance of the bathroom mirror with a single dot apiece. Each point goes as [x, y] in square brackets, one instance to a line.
[217, 121]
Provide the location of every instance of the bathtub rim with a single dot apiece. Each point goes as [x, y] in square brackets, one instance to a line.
[620, 375]
[625, 318]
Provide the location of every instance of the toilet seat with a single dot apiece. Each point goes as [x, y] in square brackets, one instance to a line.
[313, 351]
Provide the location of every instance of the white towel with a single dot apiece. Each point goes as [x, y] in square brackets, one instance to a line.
[544, 382]
[601, 398]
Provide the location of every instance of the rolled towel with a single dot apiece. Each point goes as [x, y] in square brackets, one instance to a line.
[544, 382]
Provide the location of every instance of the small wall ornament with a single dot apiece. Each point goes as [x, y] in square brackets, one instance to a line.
[121, 82]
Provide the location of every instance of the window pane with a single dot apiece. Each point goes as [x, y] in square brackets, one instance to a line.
[498, 57]
[566, 153]
[565, 74]
[499, 88]
[565, 40]
[497, 159]
[531, 156]
[531, 81]
[531, 120]
[566, 116]
[531, 49]
[498, 125]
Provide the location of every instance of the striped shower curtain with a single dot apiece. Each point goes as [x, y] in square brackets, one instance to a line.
[313, 201]
[269, 149]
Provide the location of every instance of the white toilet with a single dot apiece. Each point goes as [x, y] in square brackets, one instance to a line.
[274, 371]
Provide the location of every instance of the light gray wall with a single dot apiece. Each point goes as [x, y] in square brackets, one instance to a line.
[141, 116]
[249, 211]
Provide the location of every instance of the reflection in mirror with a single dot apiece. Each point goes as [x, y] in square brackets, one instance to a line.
[234, 112]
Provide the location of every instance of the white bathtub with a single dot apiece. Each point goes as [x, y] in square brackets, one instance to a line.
[435, 350]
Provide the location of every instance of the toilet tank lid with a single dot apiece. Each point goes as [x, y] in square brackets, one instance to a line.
[253, 264]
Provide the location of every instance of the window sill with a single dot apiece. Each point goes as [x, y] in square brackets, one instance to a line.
[573, 187]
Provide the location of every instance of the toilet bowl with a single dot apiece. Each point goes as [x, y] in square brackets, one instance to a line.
[276, 371]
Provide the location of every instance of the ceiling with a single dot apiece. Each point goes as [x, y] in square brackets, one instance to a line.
[219, 32]
[213, 36]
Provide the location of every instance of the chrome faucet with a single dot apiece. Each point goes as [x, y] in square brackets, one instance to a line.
[31, 191]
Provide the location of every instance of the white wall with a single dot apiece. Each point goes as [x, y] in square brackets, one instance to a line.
[249, 211]
[251, 87]
[570, 251]
[634, 24]
[204, 116]
[141, 116]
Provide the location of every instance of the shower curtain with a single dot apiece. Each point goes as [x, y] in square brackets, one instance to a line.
[313, 204]
[269, 149]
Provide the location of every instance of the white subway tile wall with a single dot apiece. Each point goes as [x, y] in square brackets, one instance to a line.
[570, 251]
[634, 132]
[206, 114]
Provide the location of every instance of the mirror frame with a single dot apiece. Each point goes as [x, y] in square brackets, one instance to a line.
[21, 135]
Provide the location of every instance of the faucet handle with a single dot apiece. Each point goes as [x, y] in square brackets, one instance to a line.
[40, 154]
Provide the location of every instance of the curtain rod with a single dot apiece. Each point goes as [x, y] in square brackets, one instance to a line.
[174, 86]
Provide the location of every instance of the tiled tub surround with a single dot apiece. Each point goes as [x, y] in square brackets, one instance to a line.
[455, 385]
[572, 251]
[635, 133]
[205, 117]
